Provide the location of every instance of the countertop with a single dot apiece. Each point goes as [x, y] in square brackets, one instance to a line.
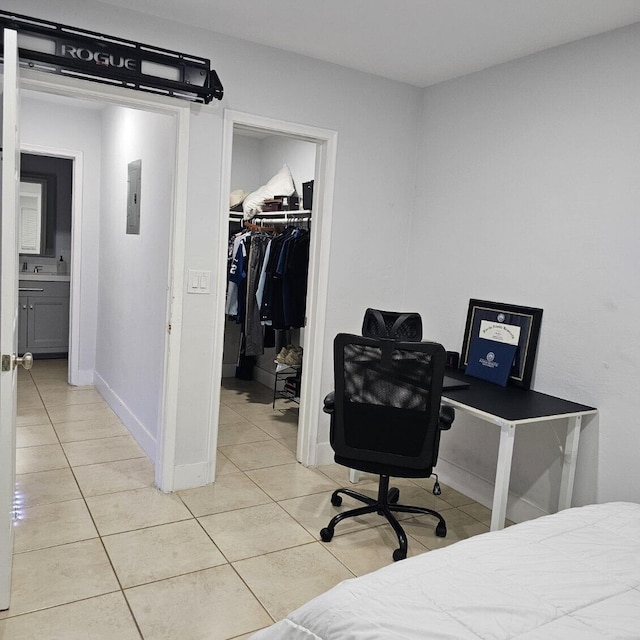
[43, 277]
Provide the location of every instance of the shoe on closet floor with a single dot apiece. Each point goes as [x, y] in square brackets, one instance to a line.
[294, 357]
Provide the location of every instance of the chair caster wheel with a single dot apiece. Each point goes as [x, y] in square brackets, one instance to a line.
[436, 489]
[336, 501]
[326, 534]
[399, 554]
[441, 530]
[394, 495]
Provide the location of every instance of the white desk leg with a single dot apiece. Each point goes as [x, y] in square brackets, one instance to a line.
[569, 462]
[503, 473]
[354, 476]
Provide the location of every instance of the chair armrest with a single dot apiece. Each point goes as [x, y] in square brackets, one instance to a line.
[329, 403]
[447, 416]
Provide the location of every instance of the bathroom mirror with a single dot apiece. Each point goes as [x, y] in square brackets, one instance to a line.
[33, 214]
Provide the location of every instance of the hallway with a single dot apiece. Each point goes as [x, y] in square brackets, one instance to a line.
[101, 554]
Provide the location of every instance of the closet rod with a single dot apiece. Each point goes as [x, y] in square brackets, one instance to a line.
[260, 220]
[293, 213]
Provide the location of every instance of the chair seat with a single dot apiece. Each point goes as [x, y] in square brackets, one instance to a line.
[383, 469]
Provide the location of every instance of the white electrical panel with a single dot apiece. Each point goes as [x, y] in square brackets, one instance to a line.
[134, 184]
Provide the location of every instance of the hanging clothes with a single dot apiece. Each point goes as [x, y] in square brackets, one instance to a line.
[253, 327]
[272, 293]
[267, 285]
[294, 287]
[236, 271]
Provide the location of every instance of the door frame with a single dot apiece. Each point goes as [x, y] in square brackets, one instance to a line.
[326, 142]
[165, 459]
[77, 157]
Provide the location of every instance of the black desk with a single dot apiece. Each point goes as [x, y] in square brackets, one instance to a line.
[509, 408]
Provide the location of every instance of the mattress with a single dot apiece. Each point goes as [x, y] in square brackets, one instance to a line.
[574, 574]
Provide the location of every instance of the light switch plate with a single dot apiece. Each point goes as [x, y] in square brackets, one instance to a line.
[198, 281]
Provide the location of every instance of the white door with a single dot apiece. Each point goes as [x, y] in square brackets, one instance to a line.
[8, 309]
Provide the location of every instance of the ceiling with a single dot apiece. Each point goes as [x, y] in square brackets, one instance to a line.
[419, 42]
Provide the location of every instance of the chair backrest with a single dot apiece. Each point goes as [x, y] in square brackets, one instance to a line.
[387, 400]
[395, 325]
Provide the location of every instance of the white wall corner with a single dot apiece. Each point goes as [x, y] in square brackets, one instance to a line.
[480, 490]
[83, 378]
[264, 377]
[189, 476]
[139, 432]
[228, 370]
[324, 454]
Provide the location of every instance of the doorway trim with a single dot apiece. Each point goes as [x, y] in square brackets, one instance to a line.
[326, 142]
[76, 226]
[165, 460]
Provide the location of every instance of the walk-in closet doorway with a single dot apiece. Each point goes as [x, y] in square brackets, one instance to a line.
[313, 153]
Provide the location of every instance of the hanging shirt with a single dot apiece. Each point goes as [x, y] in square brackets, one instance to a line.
[252, 327]
[263, 277]
[295, 280]
[238, 276]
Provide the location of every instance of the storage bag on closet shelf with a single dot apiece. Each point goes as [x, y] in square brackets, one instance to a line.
[236, 198]
[280, 185]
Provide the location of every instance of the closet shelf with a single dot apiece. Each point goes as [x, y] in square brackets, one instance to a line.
[238, 216]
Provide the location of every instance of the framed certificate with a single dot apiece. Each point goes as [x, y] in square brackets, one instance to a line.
[506, 323]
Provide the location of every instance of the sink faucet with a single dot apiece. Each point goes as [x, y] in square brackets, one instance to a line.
[37, 269]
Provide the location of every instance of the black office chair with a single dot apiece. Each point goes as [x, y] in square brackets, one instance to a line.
[386, 419]
[396, 325]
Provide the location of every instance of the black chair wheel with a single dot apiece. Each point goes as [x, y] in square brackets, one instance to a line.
[326, 534]
[394, 495]
[399, 554]
[441, 530]
[436, 489]
[336, 501]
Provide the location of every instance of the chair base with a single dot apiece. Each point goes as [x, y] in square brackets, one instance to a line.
[384, 505]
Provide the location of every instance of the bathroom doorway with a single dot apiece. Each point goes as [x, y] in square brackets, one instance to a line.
[160, 445]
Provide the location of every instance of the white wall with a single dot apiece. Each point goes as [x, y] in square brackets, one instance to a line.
[299, 155]
[134, 268]
[73, 128]
[245, 168]
[528, 193]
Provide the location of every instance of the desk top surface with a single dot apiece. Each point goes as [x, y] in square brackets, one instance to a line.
[512, 404]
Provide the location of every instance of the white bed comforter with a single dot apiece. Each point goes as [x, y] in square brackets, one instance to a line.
[571, 575]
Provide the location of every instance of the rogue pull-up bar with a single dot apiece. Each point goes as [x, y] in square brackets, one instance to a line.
[88, 55]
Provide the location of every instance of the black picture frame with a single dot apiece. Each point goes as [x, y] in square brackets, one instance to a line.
[528, 319]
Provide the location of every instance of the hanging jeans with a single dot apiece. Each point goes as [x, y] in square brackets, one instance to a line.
[253, 326]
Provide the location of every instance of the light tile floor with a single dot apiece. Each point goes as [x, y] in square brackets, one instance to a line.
[101, 554]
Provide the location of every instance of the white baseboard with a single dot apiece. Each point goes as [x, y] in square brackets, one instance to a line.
[85, 378]
[228, 370]
[189, 476]
[135, 427]
[259, 375]
[481, 490]
[324, 454]
[264, 377]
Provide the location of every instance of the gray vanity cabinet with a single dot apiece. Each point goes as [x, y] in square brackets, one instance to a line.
[43, 317]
